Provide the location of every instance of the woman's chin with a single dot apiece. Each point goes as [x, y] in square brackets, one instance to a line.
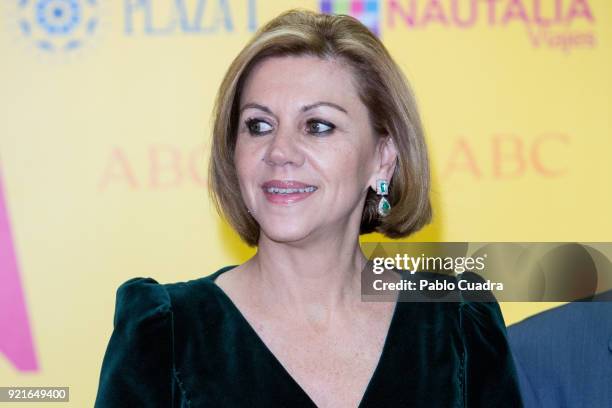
[287, 233]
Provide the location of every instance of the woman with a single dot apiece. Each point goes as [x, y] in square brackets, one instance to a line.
[316, 140]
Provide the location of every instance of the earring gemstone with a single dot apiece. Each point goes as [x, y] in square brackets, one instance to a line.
[383, 207]
[382, 187]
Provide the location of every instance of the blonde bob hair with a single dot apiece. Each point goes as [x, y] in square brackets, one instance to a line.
[382, 88]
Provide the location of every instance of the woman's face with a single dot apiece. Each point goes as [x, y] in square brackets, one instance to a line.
[305, 152]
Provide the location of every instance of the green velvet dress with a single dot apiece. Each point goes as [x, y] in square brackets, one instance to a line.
[187, 345]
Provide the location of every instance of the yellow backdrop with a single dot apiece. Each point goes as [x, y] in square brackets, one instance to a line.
[105, 127]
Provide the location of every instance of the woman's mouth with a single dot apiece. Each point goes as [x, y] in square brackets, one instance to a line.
[287, 192]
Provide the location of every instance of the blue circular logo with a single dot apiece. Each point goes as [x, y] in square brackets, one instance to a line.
[58, 16]
[58, 25]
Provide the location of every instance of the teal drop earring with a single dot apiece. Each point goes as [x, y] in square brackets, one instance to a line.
[382, 189]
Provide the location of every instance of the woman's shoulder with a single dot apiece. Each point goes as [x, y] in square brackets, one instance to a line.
[478, 301]
[146, 297]
[140, 299]
[467, 292]
[202, 288]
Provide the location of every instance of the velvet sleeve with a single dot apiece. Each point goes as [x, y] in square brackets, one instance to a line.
[137, 369]
[489, 375]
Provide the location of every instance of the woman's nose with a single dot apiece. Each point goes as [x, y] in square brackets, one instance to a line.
[284, 149]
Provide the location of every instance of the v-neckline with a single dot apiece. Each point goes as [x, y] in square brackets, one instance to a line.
[375, 374]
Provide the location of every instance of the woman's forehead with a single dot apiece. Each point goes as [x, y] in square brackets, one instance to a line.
[289, 81]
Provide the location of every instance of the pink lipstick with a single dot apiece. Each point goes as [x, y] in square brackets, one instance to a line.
[287, 191]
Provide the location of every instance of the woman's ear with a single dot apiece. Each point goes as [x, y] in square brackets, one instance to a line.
[386, 159]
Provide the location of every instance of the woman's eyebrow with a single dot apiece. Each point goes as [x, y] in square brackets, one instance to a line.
[303, 109]
[330, 104]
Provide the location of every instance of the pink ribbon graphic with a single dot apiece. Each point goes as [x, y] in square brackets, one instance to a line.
[15, 335]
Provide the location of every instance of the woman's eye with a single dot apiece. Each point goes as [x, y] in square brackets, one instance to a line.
[257, 126]
[260, 127]
[319, 127]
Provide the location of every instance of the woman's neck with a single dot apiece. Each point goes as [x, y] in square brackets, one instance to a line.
[305, 281]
